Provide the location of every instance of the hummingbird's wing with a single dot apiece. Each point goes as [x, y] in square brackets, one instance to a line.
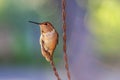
[43, 46]
[45, 52]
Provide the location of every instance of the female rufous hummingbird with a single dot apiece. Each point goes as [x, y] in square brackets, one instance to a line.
[48, 39]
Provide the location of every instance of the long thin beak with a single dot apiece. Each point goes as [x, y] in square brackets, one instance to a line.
[34, 22]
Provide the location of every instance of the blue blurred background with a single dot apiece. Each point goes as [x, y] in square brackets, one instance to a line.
[93, 29]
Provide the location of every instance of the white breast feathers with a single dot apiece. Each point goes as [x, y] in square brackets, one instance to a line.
[49, 34]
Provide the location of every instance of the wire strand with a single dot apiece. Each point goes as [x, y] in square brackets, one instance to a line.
[64, 38]
[55, 70]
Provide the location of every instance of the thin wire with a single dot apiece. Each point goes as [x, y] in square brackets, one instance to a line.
[55, 70]
[64, 38]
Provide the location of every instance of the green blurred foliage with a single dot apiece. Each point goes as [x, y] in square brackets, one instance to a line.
[103, 19]
[22, 36]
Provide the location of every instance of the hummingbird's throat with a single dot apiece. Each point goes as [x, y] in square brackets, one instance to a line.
[49, 34]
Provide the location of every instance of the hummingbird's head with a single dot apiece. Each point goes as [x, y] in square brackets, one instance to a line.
[44, 26]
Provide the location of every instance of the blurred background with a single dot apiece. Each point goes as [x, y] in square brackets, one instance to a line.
[93, 47]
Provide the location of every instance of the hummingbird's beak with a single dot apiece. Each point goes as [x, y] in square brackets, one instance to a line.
[34, 22]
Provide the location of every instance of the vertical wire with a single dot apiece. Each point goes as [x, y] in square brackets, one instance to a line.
[55, 70]
[64, 38]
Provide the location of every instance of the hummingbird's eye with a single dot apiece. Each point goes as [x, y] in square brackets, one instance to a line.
[45, 23]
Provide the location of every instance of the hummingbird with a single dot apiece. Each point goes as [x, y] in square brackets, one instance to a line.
[48, 39]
